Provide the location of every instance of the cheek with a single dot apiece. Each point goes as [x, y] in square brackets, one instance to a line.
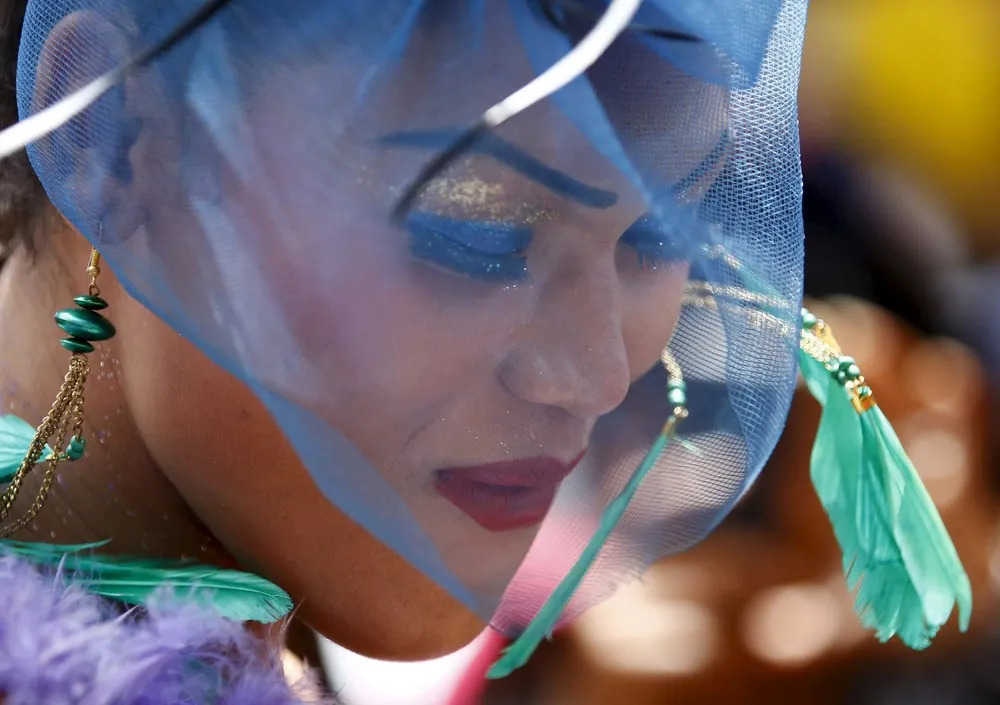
[393, 337]
[185, 408]
[218, 446]
[653, 301]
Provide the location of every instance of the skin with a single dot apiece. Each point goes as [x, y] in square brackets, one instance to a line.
[185, 460]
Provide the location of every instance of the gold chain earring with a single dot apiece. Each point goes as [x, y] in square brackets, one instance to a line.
[84, 326]
[128, 580]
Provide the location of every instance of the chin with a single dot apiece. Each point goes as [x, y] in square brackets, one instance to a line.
[412, 634]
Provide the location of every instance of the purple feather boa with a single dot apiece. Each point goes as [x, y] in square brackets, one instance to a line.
[60, 645]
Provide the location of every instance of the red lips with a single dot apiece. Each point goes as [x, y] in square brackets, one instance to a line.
[508, 495]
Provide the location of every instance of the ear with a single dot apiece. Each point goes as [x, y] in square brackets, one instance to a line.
[84, 164]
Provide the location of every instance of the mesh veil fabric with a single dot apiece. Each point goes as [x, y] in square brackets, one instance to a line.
[241, 187]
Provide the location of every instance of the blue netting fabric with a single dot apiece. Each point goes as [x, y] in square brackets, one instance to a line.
[241, 186]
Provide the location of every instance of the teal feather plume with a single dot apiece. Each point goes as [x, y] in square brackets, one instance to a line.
[541, 627]
[898, 558]
[16, 435]
[836, 455]
[900, 563]
[924, 554]
[232, 594]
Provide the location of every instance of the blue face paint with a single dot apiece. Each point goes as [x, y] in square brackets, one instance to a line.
[488, 251]
[512, 156]
[497, 252]
[654, 245]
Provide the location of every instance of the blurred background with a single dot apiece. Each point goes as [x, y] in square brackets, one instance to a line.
[900, 122]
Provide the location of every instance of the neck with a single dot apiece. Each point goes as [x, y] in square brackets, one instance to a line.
[115, 492]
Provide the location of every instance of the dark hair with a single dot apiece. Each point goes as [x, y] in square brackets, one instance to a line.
[22, 199]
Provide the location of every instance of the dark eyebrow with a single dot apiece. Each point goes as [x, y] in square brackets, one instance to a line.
[510, 155]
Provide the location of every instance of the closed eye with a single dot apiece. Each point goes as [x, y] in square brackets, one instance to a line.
[655, 245]
[483, 250]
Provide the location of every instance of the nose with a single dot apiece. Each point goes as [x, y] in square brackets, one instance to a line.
[572, 354]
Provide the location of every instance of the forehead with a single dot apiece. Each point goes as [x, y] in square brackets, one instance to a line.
[445, 69]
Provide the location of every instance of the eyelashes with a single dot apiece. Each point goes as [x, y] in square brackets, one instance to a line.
[496, 252]
[488, 251]
[655, 246]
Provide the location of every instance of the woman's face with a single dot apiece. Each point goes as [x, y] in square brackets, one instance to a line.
[465, 355]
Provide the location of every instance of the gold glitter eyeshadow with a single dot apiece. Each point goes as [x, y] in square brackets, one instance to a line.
[476, 198]
[472, 193]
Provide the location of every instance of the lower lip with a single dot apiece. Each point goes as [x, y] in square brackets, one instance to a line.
[498, 507]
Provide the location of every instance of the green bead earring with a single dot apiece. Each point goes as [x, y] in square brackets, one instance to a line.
[128, 580]
[84, 326]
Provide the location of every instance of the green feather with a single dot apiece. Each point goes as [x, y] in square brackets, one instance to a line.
[15, 439]
[924, 560]
[232, 594]
[836, 453]
[816, 376]
[518, 653]
[899, 561]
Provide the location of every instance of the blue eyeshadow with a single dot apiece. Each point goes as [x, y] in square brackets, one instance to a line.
[490, 251]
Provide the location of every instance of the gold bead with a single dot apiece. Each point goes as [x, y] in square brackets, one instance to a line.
[93, 271]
